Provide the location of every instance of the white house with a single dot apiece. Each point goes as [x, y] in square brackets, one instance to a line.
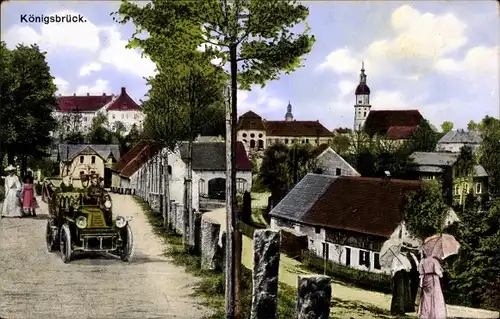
[454, 140]
[331, 163]
[346, 218]
[209, 163]
[80, 110]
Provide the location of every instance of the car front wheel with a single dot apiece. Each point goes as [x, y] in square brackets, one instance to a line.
[127, 244]
[65, 244]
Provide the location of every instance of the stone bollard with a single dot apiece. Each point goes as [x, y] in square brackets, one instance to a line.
[314, 297]
[210, 251]
[266, 247]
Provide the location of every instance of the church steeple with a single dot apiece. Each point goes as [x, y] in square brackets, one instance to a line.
[289, 115]
[362, 106]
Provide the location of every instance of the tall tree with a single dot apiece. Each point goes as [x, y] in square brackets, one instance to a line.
[28, 101]
[446, 126]
[489, 153]
[257, 40]
[341, 144]
[99, 132]
[424, 138]
[472, 126]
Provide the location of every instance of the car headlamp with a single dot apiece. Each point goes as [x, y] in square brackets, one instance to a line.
[107, 204]
[120, 222]
[81, 222]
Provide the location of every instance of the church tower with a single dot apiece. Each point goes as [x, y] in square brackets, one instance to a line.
[362, 106]
[289, 115]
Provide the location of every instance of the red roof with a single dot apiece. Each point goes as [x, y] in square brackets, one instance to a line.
[366, 205]
[296, 129]
[399, 132]
[89, 103]
[130, 155]
[123, 103]
[250, 121]
[144, 155]
[380, 121]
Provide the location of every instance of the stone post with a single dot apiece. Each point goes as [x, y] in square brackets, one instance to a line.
[210, 251]
[314, 297]
[266, 247]
[197, 231]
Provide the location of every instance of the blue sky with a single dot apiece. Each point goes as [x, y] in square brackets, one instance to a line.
[441, 57]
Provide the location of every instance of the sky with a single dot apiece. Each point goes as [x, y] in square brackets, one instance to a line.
[440, 57]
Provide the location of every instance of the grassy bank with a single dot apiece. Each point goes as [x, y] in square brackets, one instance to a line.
[211, 284]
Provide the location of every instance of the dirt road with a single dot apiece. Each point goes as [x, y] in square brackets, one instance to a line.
[37, 284]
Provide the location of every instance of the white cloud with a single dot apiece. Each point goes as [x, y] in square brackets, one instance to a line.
[478, 60]
[346, 88]
[419, 41]
[129, 60]
[100, 87]
[53, 37]
[89, 68]
[259, 100]
[62, 86]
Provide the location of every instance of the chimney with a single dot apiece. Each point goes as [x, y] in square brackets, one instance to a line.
[74, 94]
[104, 94]
[88, 94]
[123, 90]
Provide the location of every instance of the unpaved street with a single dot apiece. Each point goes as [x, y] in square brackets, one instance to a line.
[37, 284]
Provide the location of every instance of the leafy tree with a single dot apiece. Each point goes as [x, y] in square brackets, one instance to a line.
[425, 210]
[341, 144]
[424, 138]
[133, 136]
[464, 167]
[472, 126]
[99, 133]
[489, 153]
[446, 126]
[28, 100]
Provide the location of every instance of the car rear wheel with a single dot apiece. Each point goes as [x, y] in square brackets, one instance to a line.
[65, 244]
[51, 237]
[127, 244]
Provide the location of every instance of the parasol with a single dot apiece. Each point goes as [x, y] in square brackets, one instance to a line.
[390, 255]
[441, 246]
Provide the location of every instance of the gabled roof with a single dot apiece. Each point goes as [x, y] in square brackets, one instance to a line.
[327, 157]
[433, 162]
[365, 205]
[130, 155]
[68, 152]
[123, 102]
[211, 156]
[250, 121]
[461, 136]
[311, 129]
[142, 157]
[88, 103]
[381, 121]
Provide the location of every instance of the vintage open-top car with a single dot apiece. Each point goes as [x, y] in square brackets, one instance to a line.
[81, 219]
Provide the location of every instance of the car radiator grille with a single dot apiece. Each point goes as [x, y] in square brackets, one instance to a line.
[98, 221]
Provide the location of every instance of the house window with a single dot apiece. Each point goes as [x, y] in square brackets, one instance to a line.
[261, 144]
[456, 190]
[92, 172]
[82, 172]
[252, 135]
[307, 140]
[240, 184]
[252, 143]
[169, 170]
[311, 243]
[364, 114]
[201, 187]
[123, 116]
[113, 116]
[286, 141]
[81, 159]
[338, 171]
[317, 230]
[364, 258]
[479, 188]
[260, 135]
[466, 188]
[92, 159]
[348, 256]
[376, 261]
[244, 134]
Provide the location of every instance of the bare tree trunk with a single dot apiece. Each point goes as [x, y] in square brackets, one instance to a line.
[233, 235]
[189, 196]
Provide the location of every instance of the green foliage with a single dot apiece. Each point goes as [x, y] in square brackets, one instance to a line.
[45, 165]
[472, 126]
[282, 167]
[341, 144]
[489, 153]
[423, 139]
[446, 126]
[425, 210]
[98, 133]
[28, 100]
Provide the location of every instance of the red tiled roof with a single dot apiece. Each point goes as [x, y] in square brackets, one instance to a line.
[380, 121]
[399, 132]
[366, 205]
[296, 129]
[142, 157]
[123, 103]
[129, 156]
[250, 121]
[89, 103]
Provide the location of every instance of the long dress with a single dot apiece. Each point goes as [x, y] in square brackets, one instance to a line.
[11, 206]
[29, 201]
[401, 295]
[414, 280]
[432, 305]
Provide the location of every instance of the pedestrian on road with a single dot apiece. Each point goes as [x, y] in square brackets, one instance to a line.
[11, 205]
[432, 305]
[28, 195]
[401, 291]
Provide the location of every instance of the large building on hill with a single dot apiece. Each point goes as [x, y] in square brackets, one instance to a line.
[390, 124]
[257, 133]
[121, 110]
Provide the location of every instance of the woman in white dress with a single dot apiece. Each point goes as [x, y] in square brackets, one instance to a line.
[11, 206]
